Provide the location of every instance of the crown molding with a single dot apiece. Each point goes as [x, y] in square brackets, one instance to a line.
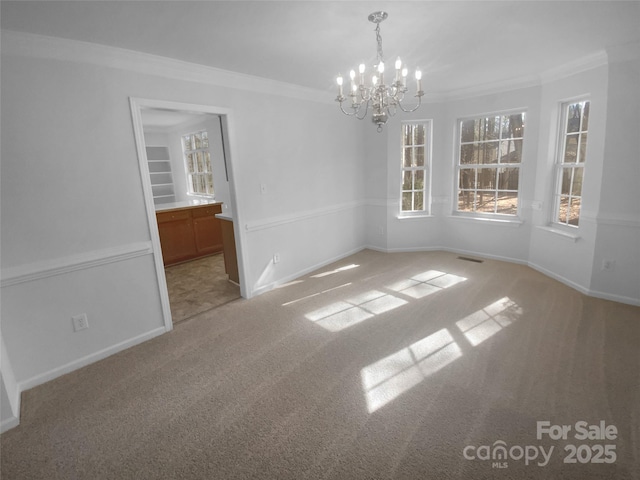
[40, 46]
[579, 65]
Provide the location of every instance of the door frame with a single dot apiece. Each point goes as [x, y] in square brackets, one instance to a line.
[226, 118]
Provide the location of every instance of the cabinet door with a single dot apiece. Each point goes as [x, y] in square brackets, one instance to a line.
[177, 240]
[208, 234]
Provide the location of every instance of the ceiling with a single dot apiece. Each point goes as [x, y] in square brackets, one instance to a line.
[457, 44]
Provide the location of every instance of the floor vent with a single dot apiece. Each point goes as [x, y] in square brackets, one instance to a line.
[475, 260]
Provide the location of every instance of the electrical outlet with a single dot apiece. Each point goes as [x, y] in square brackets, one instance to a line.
[80, 322]
[608, 264]
[276, 257]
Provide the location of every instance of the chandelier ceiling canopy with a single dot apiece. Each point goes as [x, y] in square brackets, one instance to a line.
[384, 100]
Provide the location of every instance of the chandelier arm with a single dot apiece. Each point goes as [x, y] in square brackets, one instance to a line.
[405, 110]
[350, 114]
[366, 109]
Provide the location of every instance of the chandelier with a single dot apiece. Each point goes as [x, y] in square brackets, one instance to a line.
[383, 99]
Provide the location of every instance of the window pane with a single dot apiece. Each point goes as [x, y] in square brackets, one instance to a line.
[467, 178]
[419, 156]
[419, 201]
[198, 140]
[486, 202]
[419, 180]
[576, 188]
[407, 134]
[419, 135]
[562, 210]
[479, 153]
[205, 139]
[513, 126]
[508, 203]
[508, 179]
[209, 181]
[574, 112]
[571, 149]
[406, 201]
[566, 181]
[465, 201]
[583, 147]
[487, 178]
[511, 151]
[468, 130]
[408, 157]
[490, 128]
[190, 163]
[207, 161]
[585, 117]
[407, 183]
[467, 154]
[574, 212]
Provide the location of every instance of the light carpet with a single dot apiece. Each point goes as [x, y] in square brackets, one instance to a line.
[380, 366]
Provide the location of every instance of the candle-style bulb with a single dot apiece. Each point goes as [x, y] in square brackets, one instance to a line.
[339, 80]
[361, 68]
[398, 64]
[374, 80]
[418, 75]
[381, 67]
[352, 74]
[405, 72]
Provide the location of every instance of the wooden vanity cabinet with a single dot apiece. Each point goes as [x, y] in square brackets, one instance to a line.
[188, 233]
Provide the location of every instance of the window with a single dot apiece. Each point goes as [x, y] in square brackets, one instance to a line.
[570, 163]
[416, 137]
[198, 163]
[489, 161]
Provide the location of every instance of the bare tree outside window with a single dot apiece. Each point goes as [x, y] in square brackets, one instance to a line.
[490, 154]
[570, 164]
[415, 163]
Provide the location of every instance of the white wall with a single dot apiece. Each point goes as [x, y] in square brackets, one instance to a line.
[569, 259]
[75, 232]
[618, 219]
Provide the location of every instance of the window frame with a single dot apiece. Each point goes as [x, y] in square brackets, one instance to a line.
[559, 165]
[425, 168]
[458, 143]
[188, 172]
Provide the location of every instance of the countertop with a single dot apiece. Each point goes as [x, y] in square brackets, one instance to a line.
[184, 204]
[224, 216]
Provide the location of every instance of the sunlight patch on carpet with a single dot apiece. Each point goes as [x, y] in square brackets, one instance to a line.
[387, 379]
[486, 322]
[346, 313]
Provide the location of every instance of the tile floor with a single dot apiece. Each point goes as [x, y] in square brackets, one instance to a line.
[197, 286]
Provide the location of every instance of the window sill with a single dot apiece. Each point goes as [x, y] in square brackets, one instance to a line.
[560, 232]
[409, 216]
[507, 222]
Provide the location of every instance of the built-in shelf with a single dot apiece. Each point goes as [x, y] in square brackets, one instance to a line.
[160, 173]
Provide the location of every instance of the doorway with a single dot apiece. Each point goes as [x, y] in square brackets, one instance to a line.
[172, 184]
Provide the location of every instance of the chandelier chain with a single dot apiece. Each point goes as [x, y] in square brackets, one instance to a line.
[379, 39]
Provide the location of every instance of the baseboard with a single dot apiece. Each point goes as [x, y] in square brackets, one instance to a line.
[87, 360]
[9, 423]
[300, 273]
[576, 286]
